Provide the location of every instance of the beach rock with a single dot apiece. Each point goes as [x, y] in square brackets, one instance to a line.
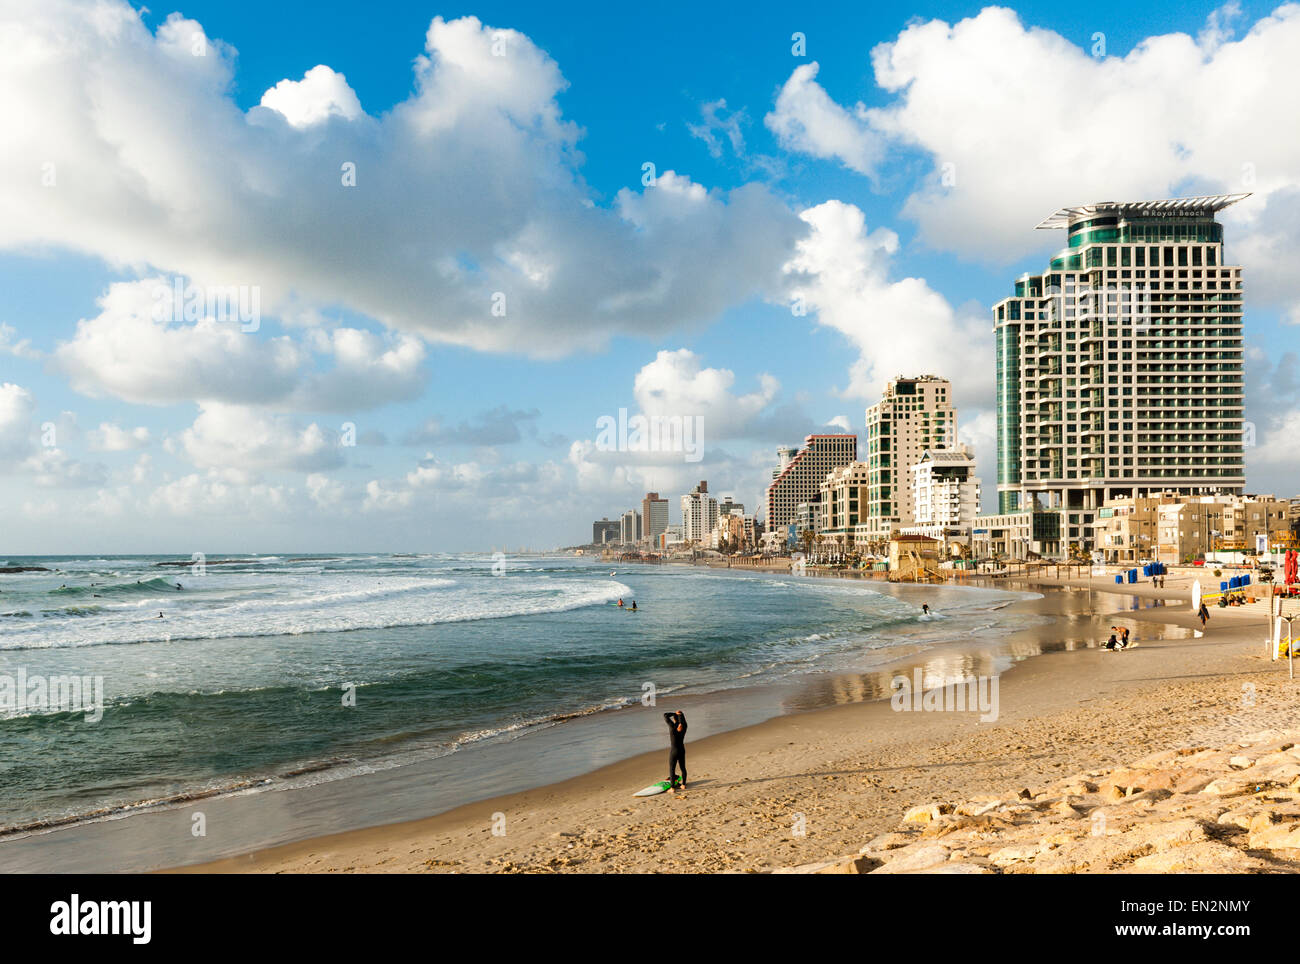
[914, 858]
[1193, 781]
[926, 813]
[1206, 857]
[889, 841]
[1065, 808]
[851, 865]
[977, 807]
[1010, 855]
[1283, 836]
[1241, 762]
[1229, 787]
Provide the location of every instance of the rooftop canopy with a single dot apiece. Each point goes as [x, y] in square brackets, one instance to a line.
[1203, 206]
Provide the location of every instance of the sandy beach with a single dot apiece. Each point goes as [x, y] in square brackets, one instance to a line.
[813, 786]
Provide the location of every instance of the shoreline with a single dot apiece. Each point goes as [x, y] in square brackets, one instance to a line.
[839, 764]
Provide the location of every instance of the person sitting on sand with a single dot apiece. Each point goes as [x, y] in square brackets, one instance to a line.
[676, 749]
[1113, 642]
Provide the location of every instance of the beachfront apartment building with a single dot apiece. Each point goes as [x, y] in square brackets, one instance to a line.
[843, 502]
[699, 514]
[1119, 367]
[801, 478]
[913, 415]
[654, 518]
[945, 496]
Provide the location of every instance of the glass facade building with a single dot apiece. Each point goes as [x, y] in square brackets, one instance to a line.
[1120, 367]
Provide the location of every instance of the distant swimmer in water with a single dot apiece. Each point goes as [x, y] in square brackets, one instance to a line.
[633, 605]
[179, 586]
[925, 609]
[160, 615]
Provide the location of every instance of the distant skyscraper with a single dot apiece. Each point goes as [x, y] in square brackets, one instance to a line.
[1119, 368]
[699, 513]
[654, 518]
[915, 414]
[802, 477]
[631, 527]
[605, 531]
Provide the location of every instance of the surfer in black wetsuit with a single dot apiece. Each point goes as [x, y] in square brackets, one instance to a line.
[677, 748]
[925, 609]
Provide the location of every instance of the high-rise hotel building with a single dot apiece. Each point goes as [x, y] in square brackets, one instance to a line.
[1119, 368]
[801, 478]
[913, 416]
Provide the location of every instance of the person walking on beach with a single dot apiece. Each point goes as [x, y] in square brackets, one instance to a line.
[676, 748]
[1203, 614]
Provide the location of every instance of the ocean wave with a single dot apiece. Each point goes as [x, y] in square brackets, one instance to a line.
[422, 602]
[141, 587]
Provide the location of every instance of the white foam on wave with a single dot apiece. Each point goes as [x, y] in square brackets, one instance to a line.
[228, 606]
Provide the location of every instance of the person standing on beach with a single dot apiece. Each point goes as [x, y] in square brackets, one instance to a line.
[676, 748]
[1203, 614]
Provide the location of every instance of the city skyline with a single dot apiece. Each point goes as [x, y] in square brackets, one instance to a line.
[819, 215]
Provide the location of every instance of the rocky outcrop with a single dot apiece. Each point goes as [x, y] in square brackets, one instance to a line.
[1233, 809]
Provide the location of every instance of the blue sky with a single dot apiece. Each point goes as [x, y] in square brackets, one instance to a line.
[477, 165]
